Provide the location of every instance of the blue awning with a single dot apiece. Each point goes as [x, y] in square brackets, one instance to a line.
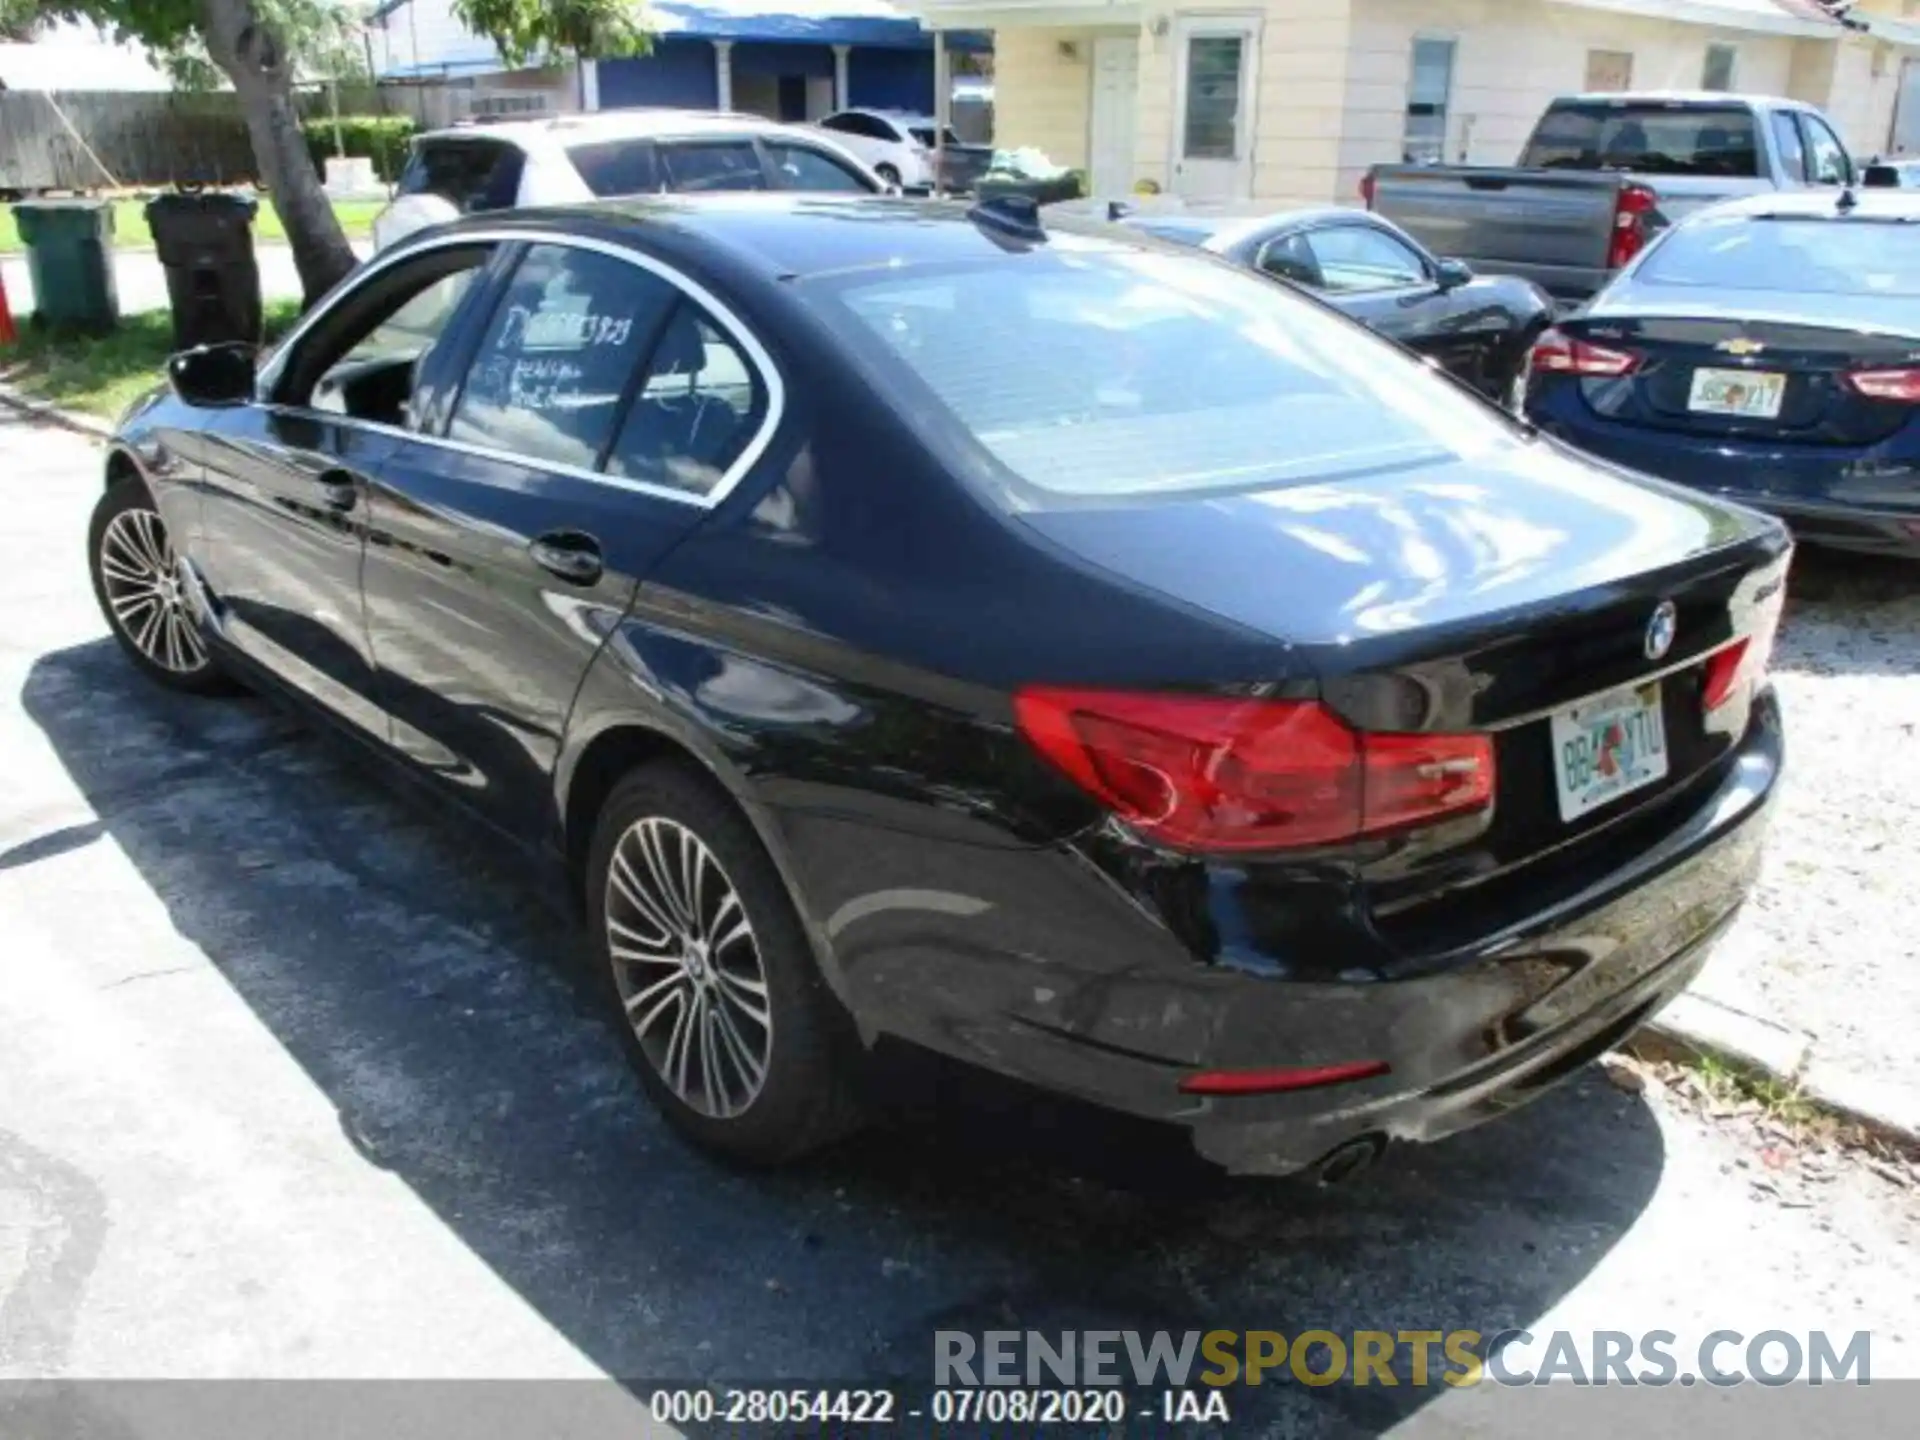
[872, 23]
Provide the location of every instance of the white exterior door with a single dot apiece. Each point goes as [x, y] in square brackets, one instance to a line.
[1116, 95]
[1216, 74]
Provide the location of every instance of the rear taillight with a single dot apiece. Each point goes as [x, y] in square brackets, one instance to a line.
[1631, 207]
[1366, 190]
[1901, 385]
[1741, 666]
[1722, 675]
[1556, 353]
[1212, 773]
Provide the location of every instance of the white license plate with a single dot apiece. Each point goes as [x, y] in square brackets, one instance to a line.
[1607, 746]
[1753, 393]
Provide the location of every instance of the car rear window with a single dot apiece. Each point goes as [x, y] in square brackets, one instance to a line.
[1104, 374]
[617, 167]
[1656, 139]
[923, 135]
[474, 174]
[1808, 254]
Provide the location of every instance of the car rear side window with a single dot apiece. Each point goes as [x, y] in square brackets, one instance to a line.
[1122, 374]
[700, 404]
[1652, 138]
[1808, 254]
[474, 174]
[711, 165]
[801, 167]
[548, 378]
[617, 167]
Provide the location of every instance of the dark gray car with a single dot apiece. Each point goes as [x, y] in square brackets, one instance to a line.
[1479, 327]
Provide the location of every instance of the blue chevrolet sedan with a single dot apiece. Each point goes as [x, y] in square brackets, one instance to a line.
[1767, 351]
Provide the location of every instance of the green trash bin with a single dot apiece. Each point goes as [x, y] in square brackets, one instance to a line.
[70, 261]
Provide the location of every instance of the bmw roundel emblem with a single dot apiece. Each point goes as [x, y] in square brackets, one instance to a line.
[1661, 629]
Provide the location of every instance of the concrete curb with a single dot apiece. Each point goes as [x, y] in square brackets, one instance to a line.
[88, 425]
[1695, 1025]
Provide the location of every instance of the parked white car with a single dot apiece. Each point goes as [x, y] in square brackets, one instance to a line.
[571, 158]
[897, 144]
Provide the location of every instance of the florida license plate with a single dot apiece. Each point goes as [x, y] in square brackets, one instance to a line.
[1607, 746]
[1752, 393]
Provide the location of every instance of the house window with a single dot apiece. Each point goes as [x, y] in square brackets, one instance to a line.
[1717, 72]
[1428, 92]
[1609, 71]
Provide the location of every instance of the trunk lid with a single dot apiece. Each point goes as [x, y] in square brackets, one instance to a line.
[1793, 360]
[1530, 572]
[1475, 597]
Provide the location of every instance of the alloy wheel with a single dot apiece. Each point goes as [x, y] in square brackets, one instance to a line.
[688, 967]
[143, 591]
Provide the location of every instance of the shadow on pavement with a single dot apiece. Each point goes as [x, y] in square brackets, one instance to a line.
[433, 999]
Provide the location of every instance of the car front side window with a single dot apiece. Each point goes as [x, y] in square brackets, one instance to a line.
[1826, 156]
[712, 165]
[800, 167]
[362, 359]
[549, 375]
[1354, 258]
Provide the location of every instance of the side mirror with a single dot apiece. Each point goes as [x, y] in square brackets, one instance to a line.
[212, 376]
[1880, 177]
[1452, 274]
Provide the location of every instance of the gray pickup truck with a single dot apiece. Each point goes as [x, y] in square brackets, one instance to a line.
[1601, 175]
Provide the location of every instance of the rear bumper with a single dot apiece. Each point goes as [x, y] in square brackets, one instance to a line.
[1858, 499]
[1476, 1038]
[1062, 974]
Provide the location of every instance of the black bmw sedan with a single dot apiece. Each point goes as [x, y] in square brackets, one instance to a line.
[1479, 327]
[1077, 656]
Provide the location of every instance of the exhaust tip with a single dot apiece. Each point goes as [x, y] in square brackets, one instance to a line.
[1342, 1163]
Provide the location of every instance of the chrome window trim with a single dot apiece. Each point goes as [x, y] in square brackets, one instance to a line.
[486, 452]
[749, 344]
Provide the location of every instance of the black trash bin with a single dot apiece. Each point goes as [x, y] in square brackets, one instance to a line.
[205, 242]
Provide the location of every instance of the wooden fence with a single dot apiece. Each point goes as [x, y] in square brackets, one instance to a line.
[140, 139]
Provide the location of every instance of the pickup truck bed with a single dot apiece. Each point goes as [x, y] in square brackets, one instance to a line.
[1602, 175]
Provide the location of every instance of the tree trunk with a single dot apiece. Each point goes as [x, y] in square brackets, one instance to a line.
[252, 57]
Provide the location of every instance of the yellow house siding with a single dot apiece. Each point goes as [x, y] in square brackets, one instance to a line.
[1042, 91]
[1305, 54]
[1511, 58]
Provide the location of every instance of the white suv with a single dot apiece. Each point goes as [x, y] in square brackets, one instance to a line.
[898, 145]
[571, 158]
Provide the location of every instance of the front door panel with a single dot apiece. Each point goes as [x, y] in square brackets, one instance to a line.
[283, 528]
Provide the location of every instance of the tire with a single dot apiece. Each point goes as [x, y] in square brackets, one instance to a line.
[686, 1014]
[887, 173]
[131, 563]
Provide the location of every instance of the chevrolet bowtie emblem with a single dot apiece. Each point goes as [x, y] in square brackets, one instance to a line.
[1741, 346]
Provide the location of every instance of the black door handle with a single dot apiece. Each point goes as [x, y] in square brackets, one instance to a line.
[571, 555]
[338, 491]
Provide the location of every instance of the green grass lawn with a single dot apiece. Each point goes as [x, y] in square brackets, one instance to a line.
[101, 376]
[130, 223]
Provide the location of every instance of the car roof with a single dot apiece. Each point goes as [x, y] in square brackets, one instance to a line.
[638, 124]
[1221, 231]
[1722, 99]
[904, 117]
[791, 236]
[1869, 203]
